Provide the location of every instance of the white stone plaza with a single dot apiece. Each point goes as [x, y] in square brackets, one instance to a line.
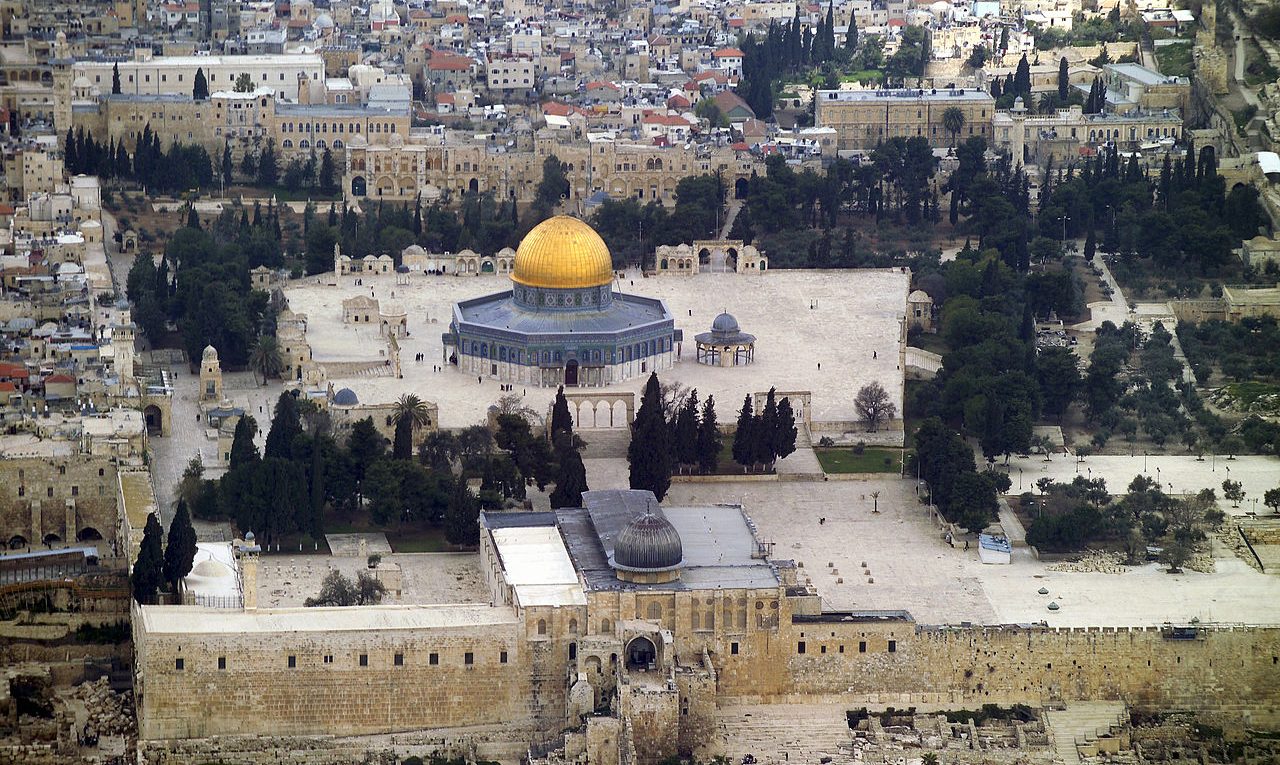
[828, 332]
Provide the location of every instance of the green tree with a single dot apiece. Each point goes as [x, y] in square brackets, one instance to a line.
[571, 474]
[1064, 81]
[265, 358]
[337, 590]
[228, 166]
[200, 91]
[973, 503]
[243, 450]
[553, 186]
[115, 79]
[180, 552]
[953, 121]
[244, 83]
[1022, 77]
[784, 436]
[1233, 491]
[148, 570]
[708, 438]
[268, 166]
[1058, 372]
[462, 516]
[649, 453]
[285, 428]
[744, 436]
[410, 413]
[685, 433]
[873, 405]
[561, 420]
[766, 430]
[851, 35]
[193, 218]
[1272, 499]
[326, 177]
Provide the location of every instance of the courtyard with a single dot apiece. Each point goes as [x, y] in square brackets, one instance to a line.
[828, 332]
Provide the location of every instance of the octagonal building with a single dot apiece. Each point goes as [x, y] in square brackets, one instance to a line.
[562, 323]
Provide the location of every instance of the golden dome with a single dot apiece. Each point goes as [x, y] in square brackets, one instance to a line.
[563, 253]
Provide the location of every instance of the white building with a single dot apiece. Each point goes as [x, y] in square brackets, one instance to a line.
[148, 75]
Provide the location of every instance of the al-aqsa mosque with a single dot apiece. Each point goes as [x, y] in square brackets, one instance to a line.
[562, 322]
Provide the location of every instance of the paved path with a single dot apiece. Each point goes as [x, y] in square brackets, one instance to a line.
[1178, 474]
[1115, 310]
[735, 206]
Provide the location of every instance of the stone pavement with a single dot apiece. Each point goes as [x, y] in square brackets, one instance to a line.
[845, 321]
[1177, 474]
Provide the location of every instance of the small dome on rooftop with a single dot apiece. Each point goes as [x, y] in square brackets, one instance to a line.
[648, 543]
[346, 397]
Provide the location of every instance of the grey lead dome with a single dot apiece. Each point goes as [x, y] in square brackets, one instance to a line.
[648, 543]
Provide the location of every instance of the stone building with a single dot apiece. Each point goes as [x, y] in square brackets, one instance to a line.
[58, 499]
[1065, 135]
[210, 376]
[864, 118]
[427, 166]
[632, 622]
[562, 323]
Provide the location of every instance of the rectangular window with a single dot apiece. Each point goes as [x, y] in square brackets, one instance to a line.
[293, 662]
[179, 664]
[468, 658]
[75, 491]
[222, 662]
[733, 649]
[800, 647]
[502, 657]
[328, 658]
[399, 660]
[893, 646]
[364, 659]
[433, 659]
[862, 646]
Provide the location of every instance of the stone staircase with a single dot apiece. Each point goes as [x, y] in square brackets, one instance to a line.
[799, 734]
[1080, 721]
[605, 443]
[735, 206]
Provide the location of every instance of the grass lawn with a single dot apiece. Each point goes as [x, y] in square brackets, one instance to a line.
[872, 460]
[931, 342]
[1174, 60]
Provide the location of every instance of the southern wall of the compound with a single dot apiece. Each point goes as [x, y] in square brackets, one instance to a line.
[336, 683]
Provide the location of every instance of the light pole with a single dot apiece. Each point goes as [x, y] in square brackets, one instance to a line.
[1064, 220]
[1020, 479]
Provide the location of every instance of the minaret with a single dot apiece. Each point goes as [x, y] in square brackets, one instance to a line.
[249, 572]
[210, 375]
[1019, 115]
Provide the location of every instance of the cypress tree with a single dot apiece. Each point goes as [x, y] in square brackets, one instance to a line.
[766, 431]
[571, 474]
[708, 438]
[148, 569]
[784, 440]
[561, 420]
[180, 552]
[71, 154]
[686, 432]
[193, 218]
[333, 214]
[743, 451]
[1090, 244]
[243, 450]
[200, 91]
[1022, 77]
[285, 428]
[996, 91]
[402, 443]
[851, 34]
[115, 79]
[649, 452]
[461, 516]
[1064, 81]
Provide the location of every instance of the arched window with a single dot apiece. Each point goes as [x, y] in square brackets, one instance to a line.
[606, 626]
[542, 626]
[573, 626]
[655, 611]
[287, 143]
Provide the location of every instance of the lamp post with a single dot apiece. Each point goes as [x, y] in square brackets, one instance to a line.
[1064, 220]
[1020, 480]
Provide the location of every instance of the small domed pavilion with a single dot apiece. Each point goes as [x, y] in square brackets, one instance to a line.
[726, 345]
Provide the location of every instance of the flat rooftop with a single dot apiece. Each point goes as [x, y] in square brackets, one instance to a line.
[537, 566]
[907, 94]
[847, 321]
[179, 620]
[286, 581]
[500, 313]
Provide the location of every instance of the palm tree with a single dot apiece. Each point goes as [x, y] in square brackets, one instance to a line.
[265, 358]
[929, 758]
[412, 408]
[953, 121]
